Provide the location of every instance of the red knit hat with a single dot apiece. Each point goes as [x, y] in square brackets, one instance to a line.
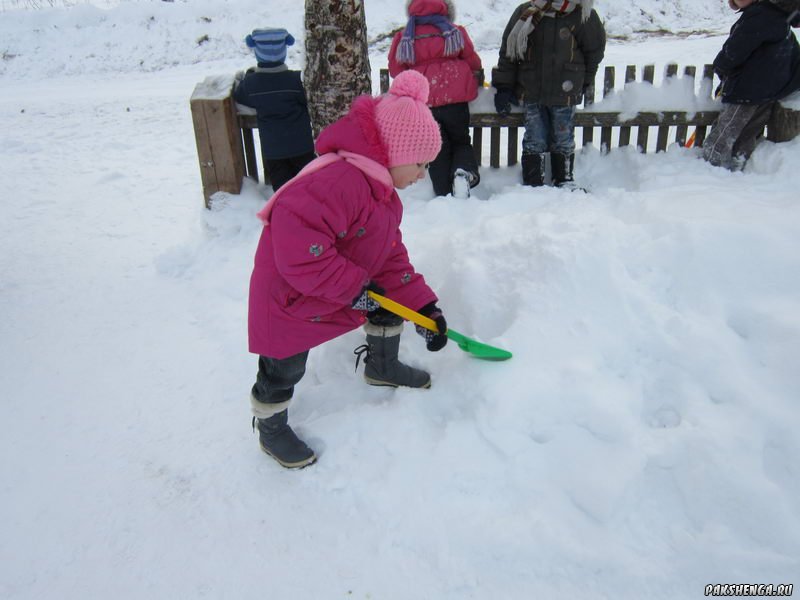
[407, 128]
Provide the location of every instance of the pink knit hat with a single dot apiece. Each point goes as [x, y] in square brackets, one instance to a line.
[407, 127]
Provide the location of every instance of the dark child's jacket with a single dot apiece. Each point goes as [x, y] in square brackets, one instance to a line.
[760, 60]
[562, 57]
[279, 98]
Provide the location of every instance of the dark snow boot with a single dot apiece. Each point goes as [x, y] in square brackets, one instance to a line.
[533, 167]
[562, 165]
[382, 367]
[279, 441]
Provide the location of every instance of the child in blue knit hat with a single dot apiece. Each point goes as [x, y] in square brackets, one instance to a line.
[278, 95]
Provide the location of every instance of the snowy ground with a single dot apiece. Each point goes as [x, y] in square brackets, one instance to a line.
[642, 442]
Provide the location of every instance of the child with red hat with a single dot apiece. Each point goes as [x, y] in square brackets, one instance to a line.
[331, 234]
[443, 52]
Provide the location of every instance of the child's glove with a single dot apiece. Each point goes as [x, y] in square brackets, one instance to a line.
[503, 100]
[433, 341]
[363, 301]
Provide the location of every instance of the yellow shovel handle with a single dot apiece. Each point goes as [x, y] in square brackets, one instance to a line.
[404, 311]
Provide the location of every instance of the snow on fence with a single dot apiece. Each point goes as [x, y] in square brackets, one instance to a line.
[226, 143]
[671, 109]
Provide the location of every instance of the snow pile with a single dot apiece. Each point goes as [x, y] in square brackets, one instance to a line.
[485, 21]
[150, 35]
[134, 36]
[674, 93]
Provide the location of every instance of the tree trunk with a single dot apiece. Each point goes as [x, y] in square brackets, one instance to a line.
[337, 58]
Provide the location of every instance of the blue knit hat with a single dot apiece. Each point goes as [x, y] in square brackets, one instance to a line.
[270, 44]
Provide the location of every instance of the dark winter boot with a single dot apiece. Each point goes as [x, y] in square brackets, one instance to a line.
[562, 165]
[533, 165]
[279, 441]
[382, 366]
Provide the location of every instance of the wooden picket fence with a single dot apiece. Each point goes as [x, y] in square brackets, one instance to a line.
[226, 145]
[673, 125]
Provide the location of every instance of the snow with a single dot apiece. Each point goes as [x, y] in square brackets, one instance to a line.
[642, 95]
[216, 88]
[642, 443]
[792, 101]
[151, 35]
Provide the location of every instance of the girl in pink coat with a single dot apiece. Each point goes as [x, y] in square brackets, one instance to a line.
[443, 52]
[331, 234]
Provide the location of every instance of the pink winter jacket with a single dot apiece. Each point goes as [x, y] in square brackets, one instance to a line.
[330, 232]
[451, 77]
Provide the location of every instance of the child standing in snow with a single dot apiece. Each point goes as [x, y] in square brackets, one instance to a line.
[330, 235]
[759, 64]
[278, 96]
[549, 56]
[444, 54]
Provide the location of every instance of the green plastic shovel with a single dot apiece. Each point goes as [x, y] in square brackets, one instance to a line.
[477, 349]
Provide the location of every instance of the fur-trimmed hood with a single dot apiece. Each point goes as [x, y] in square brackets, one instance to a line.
[356, 132]
[417, 8]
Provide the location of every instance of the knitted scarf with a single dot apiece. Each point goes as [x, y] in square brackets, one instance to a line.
[453, 40]
[517, 42]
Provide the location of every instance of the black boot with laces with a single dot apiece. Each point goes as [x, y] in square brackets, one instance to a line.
[381, 364]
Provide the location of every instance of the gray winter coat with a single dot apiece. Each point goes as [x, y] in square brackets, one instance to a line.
[562, 57]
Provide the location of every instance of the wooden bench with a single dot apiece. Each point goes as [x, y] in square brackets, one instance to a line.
[226, 146]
